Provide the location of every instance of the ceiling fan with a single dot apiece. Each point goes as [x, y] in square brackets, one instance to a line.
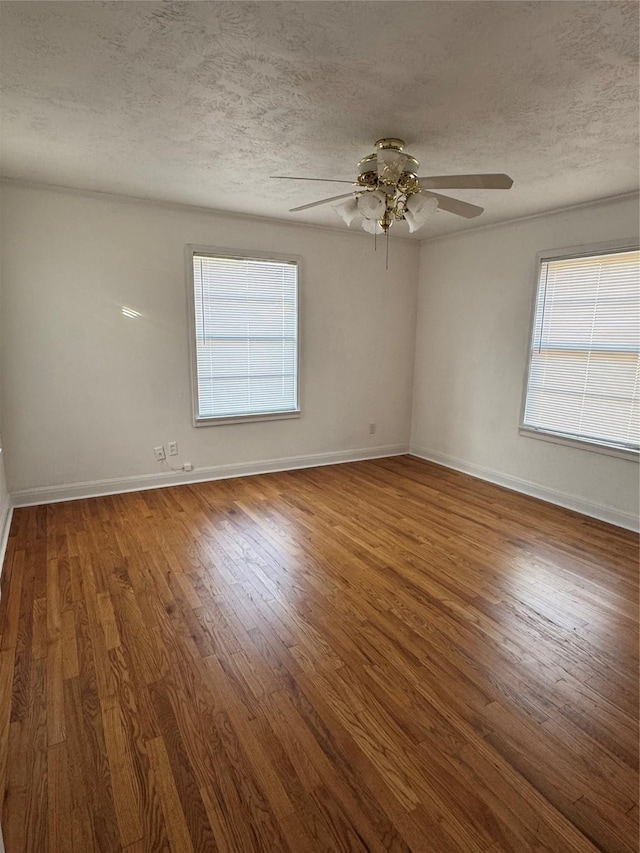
[388, 190]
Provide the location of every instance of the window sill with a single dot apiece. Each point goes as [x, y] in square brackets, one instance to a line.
[246, 419]
[580, 444]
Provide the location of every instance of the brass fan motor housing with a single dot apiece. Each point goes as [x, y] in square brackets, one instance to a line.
[390, 142]
[368, 167]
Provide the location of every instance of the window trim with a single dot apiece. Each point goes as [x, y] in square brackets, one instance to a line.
[192, 249]
[589, 250]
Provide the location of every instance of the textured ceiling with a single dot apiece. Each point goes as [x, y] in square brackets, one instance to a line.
[199, 102]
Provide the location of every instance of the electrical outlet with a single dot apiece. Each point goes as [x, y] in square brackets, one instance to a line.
[372, 429]
[173, 448]
[159, 453]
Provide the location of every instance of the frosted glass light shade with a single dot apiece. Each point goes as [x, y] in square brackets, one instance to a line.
[372, 205]
[348, 210]
[422, 205]
[371, 226]
[419, 209]
[408, 218]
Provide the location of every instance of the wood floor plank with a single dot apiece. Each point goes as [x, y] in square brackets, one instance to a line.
[126, 790]
[92, 788]
[34, 744]
[177, 830]
[14, 806]
[7, 660]
[378, 656]
[60, 809]
[12, 590]
[55, 695]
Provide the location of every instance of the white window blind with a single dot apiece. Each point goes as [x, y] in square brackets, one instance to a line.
[584, 370]
[246, 337]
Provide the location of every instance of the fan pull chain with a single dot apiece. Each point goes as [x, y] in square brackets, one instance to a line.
[387, 260]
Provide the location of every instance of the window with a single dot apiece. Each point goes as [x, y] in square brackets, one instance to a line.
[583, 381]
[244, 321]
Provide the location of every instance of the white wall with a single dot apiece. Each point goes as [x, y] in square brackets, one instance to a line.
[5, 504]
[87, 392]
[473, 329]
[4, 501]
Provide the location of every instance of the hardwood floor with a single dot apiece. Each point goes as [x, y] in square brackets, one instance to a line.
[378, 656]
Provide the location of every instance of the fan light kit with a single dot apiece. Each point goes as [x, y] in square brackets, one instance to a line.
[388, 190]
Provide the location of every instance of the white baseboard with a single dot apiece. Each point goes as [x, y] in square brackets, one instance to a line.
[117, 485]
[6, 514]
[535, 490]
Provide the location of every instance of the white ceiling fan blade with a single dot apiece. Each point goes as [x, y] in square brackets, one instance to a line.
[466, 182]
[454, 205]
[326, 180]
[316, 203]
